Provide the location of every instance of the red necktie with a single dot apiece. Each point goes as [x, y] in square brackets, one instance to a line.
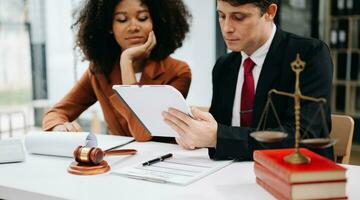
[247, 94]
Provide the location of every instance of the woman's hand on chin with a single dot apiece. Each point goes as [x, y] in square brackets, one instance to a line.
[141, 51]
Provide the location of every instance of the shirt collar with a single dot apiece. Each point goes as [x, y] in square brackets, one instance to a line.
[258, 57]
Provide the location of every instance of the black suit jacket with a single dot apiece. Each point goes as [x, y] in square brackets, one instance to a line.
[316, 80]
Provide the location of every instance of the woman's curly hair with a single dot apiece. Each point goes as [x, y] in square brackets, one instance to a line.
[170, 19]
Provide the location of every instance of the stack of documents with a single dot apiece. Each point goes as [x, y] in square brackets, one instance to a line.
[11, 150]
[182, 168]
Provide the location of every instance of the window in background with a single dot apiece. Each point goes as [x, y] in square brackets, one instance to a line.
[296, 16]
[15, 69]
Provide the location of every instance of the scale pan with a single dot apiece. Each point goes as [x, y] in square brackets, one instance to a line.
[268, 136]
[318, 142]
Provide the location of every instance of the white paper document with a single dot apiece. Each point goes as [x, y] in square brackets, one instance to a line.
[181, 168]
[64, 143]
[147, 102]
[11, 150]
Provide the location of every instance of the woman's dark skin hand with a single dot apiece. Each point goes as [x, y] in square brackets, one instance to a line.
[68, 127]
[131, 59]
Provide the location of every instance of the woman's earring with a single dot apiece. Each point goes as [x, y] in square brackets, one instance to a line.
[110, 32]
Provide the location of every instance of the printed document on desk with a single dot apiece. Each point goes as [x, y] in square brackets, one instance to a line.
[183, 168]
[147, 102]
[64, 143]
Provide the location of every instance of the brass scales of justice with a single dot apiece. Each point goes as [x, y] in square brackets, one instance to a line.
[275, 136]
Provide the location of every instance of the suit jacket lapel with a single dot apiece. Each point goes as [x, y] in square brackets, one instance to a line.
[269, 72]
[229, 85]
[149, 75]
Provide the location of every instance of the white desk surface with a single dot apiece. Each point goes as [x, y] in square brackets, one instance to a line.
[45, 177]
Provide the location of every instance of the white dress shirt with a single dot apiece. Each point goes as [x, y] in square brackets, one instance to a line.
[258, 58]
[138, 76]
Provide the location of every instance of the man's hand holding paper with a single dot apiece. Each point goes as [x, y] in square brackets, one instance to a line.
[147, 102]
[199, 131]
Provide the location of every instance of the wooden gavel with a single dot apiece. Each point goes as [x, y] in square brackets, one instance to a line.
[93, 156]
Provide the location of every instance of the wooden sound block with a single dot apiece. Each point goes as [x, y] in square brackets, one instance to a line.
[86, 169]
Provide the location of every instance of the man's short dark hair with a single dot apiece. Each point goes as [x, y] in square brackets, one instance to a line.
[262, 4]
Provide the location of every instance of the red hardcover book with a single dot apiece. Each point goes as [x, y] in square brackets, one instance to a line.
[318, 169]
[278, 195]
[312, 190]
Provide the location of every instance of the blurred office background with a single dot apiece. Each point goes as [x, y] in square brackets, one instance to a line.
[38, 62]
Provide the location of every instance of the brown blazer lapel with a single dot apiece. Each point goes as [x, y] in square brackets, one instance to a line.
[151, 72]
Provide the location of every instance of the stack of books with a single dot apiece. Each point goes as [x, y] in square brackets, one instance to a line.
[319, 179]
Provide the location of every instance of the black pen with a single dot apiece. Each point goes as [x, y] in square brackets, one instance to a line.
[159, 159]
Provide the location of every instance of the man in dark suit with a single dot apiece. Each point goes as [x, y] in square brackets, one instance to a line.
[260, 61]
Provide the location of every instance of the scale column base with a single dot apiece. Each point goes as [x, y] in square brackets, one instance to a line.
[297, 158]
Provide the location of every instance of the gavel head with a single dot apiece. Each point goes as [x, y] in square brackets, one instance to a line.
[87, 155]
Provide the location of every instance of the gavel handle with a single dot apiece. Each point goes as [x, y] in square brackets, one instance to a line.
[121, 152]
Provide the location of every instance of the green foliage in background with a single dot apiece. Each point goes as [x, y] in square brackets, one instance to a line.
[15, 97]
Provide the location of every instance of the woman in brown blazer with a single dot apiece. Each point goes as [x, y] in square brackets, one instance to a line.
[126, 42]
